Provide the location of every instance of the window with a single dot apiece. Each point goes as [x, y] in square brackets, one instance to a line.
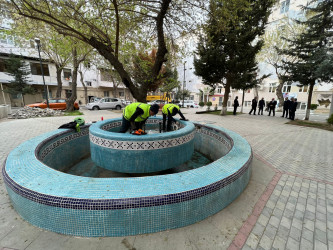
[105, 75]
[121, 94]
[3, 65]
[106, 93]
[36, 69]
[219, 90]
[272, 87]
[6, 39]
[285, 6]
[303, 88]
[67, 74]
[286, 88]
[88, 83]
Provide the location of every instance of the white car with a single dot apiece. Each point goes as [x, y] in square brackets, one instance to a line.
[188, 104]
[106, 103]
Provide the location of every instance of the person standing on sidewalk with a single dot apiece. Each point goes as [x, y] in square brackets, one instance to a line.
[236, 104]
[261, 106]
[254, 106]
[286, 105]
[292, 108]
[272, 105]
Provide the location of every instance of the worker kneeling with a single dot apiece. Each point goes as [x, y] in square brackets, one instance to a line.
[170, 110]
[136, 114]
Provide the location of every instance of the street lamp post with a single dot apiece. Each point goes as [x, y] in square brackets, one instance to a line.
[184, 85]
[37, 40]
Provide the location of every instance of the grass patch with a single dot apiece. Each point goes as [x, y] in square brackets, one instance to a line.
[320, 125]
[73, 113]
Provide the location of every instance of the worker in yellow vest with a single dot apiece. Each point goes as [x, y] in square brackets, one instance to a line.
[170, 110]
[136, 114]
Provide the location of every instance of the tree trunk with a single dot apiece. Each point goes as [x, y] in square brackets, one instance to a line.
[23, 100]
[70, 101]
[59, 87]
[279, 92]
[308, 108]
[243, 96]
[115, 87]
[84, 87]
[226, 97]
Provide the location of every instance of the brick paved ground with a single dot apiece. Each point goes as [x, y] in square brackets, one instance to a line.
[292, 208]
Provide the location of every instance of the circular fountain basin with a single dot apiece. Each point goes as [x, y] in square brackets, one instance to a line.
[129, 153]
[96, 207]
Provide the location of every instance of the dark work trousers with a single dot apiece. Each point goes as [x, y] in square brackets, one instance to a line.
[285, 111]
[169, 122]
[125, 125]
[253, 109]
[271, 109]
[291, 114]
[261, 109]
[235, 110]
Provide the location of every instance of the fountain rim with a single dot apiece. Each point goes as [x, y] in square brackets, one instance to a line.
[185, 181]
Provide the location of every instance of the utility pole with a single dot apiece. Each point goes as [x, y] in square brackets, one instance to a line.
[41, 68]
[184, 85]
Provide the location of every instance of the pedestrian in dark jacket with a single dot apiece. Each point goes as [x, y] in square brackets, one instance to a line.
[261, 106]
[254, 106]
[286, 105]
[236, 104]
[272, 105]
[292, 108]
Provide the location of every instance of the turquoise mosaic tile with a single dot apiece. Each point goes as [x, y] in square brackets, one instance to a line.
[122, 206]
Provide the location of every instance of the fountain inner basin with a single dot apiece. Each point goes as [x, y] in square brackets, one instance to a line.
[127, 153]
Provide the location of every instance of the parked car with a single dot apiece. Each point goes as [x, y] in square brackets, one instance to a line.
[106, 103]
[56, 103]
[188, 104]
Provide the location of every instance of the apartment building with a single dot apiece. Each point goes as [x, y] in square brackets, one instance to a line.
[98, 80]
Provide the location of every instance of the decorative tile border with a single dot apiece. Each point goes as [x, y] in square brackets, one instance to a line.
[141, 145]
[43, 153]
[216, 135]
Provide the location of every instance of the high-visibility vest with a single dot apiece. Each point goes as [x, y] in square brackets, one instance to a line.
[130, 110]
[169, 107]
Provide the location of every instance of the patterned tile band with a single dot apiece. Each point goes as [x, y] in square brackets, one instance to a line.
[107, 204]
[41, 154]
[141, 145]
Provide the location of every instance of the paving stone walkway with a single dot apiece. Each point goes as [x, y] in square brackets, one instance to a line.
[289, 207]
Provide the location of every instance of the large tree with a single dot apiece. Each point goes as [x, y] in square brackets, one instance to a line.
[16, 67]
[55, 48]
[273, 40]
[312, 49]
[226, 52]
[116, 29]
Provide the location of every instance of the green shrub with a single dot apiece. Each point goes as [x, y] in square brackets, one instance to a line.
[313, 106]
[330, 119]
[208, 105]
[201, 104]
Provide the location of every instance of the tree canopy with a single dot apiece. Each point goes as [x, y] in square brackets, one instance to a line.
[117, 29]
[312, 49]
[227, 49]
